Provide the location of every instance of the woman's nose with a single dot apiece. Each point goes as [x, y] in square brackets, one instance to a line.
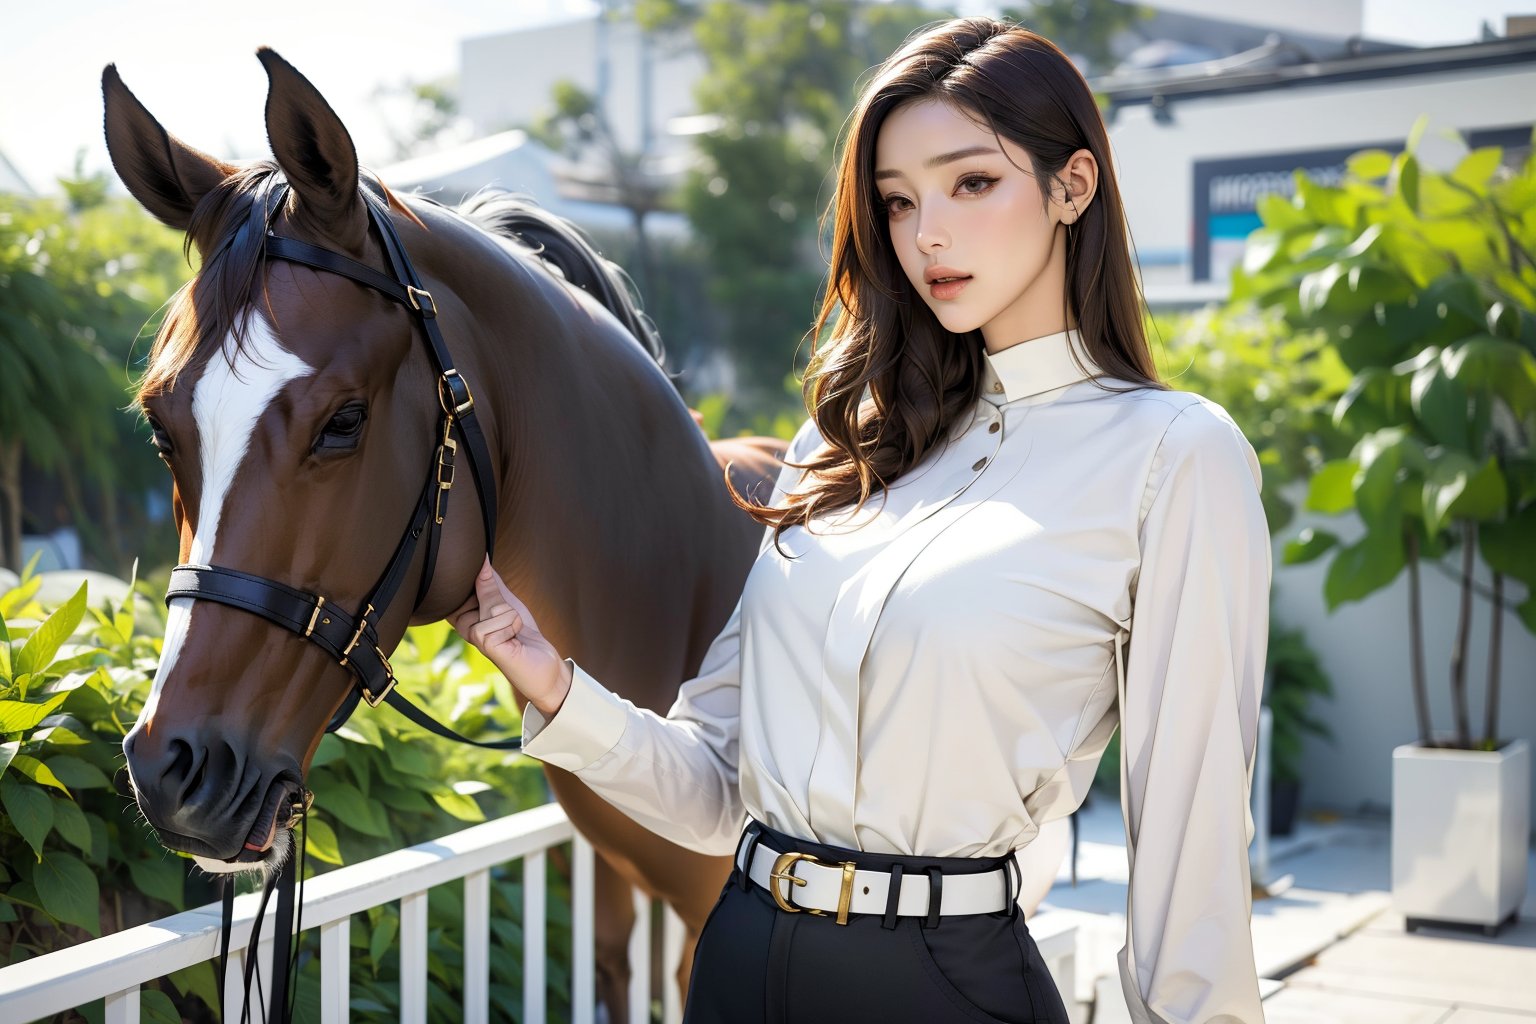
[931, 235]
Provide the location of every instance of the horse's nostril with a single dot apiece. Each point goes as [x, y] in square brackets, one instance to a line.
[181, 763]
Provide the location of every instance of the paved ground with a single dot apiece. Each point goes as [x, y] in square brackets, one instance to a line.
[1329, 946]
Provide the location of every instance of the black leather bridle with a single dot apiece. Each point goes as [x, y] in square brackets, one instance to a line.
[352, 639]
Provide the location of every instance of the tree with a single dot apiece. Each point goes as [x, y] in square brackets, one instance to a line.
[781, 79]
[429, 112]
[76, 289]
[1082, 28]
[578, 129]
[1426, 281]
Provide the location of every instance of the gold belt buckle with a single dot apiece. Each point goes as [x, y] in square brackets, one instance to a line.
[783, 871]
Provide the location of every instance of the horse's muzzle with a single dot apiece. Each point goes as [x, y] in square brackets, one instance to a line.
[207, 797]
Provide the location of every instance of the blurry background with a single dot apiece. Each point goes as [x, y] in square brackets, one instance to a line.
[694, 141]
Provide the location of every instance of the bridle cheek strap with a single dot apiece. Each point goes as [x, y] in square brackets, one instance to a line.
[352, 640]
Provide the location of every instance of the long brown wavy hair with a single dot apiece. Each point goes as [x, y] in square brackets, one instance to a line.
[891, 381]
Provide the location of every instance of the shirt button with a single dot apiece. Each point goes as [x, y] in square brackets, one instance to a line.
[994, 428]
[979, 463]
[997, 385]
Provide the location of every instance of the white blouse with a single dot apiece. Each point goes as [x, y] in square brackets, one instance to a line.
[940, 674]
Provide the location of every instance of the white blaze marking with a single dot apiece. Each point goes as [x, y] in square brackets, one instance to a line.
[226, 403]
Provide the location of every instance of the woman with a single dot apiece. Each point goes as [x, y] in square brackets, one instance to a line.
[910, 686]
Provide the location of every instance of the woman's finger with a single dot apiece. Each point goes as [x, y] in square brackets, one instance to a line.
[485, 627]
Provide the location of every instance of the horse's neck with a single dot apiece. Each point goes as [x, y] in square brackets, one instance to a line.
[614, 517]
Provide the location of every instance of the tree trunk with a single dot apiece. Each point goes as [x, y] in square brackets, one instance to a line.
[10, 504]
[642, 273]
[1495, 640]
[1463, 632]
[1416, 641]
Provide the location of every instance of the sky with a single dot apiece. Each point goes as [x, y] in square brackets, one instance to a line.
[197, 72]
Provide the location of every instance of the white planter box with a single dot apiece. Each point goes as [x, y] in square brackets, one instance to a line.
[1460, 828]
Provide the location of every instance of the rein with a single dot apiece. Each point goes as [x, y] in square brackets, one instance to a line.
[352, 640]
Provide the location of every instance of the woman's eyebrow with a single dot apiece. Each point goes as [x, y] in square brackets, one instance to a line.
[942, 159]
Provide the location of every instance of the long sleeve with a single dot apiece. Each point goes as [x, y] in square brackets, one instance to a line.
[676, 775]
[1189, 708]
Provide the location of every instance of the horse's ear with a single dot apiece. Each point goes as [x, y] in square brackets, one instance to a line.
[164, 174]
[316, 154]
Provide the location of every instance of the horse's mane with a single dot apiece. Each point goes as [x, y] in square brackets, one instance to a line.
[565, 247]
[229, 229]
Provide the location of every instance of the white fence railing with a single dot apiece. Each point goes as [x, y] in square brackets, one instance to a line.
[115, 966]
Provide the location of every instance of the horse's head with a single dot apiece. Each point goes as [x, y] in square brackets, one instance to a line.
[297, 413]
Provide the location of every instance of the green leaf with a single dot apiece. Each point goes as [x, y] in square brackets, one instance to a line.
[156, 1007]
[345, 804]
[1363, 568]
[1308, 545]
[1370, 164]
[382, 937]
[161, 878]
[81, 774]
[1404, 180]
[19, 716]
[1458, 488]
[68, 891]
[46, 640]
[320, 841]
[1509, 547]
[462, 807]
[71, 824]
[1332, 488]
[1442, 405]
[7, 752]
[1478, 166]
[429, 639]
[1416, 133]
[30, 811]
[197, 980]
[14, 600]
[38, 772]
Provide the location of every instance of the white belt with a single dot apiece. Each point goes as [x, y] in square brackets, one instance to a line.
[822, 887]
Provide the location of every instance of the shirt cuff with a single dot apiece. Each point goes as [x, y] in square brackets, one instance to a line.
[588, 725]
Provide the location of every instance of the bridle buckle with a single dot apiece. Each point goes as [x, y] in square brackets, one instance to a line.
[372, 699]
[421, 300]
[449, 388]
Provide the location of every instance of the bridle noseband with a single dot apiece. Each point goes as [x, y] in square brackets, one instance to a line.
[353, 640]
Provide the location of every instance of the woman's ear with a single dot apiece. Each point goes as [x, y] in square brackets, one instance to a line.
[1081, 176]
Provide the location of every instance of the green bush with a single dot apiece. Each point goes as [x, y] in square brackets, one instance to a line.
[76, 861]
[1425, 283]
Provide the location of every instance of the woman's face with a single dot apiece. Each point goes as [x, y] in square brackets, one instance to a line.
[968, 226]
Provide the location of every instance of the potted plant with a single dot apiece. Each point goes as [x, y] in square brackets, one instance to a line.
[1295, 676]
[1426, 284]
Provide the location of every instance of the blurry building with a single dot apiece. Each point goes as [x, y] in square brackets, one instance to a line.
[1211, 105]
[11, 179]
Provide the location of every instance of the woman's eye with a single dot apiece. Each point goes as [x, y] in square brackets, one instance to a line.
[892, 204]
[344, 428]
[976, 184]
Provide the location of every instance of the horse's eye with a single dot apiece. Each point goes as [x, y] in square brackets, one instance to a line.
[344, 428]
[159, 438]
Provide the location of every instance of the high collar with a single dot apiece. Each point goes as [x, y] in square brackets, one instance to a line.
[1034, 367]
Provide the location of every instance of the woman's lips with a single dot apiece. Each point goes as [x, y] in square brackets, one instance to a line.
[948, 289]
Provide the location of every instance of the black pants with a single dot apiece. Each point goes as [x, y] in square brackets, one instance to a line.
[757, 964]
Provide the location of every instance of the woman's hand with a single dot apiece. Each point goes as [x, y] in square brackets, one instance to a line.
[500, 626]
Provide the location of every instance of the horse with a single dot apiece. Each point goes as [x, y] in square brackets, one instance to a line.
[296, 409]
